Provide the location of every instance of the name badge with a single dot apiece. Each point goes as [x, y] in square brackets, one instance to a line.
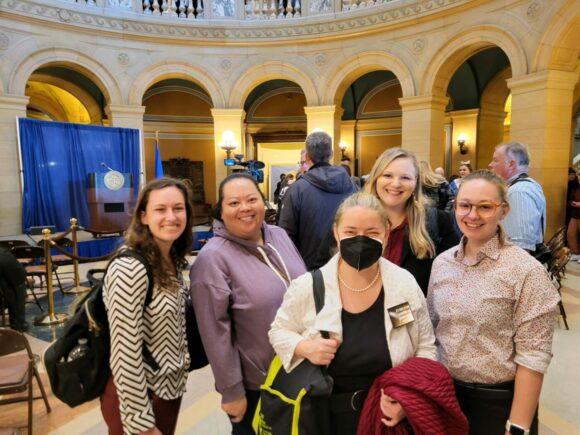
[401, 315]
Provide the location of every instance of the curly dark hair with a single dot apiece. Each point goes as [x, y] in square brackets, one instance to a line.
[139, 237]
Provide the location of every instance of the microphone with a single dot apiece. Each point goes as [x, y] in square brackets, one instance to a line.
[104, 165]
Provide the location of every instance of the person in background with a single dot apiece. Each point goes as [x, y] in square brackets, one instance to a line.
[418, 232]
[494, 335]
[288, 181]
[367, 336]
[138, 398]
[345, 163]
[309, 207]
[439, 171]
[278, 188]
[573, 214]
[238, 281]
[435, 188]
[526, 223]
[464, 170]
[13, 289]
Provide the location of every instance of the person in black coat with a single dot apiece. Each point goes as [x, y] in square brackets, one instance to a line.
[308, 208]
[418, 231]
[13, 289]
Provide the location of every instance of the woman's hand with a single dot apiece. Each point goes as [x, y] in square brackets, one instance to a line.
[236, 409]
[392, 410]
[152, 431]
[319, 351]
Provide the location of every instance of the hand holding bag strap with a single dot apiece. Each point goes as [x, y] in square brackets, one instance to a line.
[319, 293]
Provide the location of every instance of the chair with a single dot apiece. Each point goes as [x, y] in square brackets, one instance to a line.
[17, 370]
[36, 255]
[558, 240]
[556, 270]
[9, 244]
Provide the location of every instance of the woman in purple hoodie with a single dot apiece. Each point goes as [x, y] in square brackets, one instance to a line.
[238, 281]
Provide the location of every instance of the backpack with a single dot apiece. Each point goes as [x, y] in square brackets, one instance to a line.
[296, 402]
[85, 378]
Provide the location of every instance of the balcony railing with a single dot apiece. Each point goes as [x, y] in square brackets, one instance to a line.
[232, 9]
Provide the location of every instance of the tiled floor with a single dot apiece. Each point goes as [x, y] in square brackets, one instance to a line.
[201, 415]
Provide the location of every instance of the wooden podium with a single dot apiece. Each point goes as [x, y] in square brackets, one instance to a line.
[110, 197]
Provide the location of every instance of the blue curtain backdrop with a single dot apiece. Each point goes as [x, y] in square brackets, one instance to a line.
[56, 159]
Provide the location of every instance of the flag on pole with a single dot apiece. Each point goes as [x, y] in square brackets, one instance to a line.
[158, 164]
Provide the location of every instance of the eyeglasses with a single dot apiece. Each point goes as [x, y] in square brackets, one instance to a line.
[483, 209]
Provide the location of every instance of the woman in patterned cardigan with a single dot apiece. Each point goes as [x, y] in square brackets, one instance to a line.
[144, 394]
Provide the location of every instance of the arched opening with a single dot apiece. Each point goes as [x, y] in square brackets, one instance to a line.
[371, 120]
[475, 115]
[61, 93]
[275, 127]
[178, 121]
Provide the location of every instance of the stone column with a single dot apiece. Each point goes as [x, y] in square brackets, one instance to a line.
[423, 123]
[131, 117]
[327, 119]
[226, 120]
[348, 137]
[490, 130]
[11, 107]
[542, 119]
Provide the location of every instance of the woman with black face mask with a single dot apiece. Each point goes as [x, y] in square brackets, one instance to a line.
[374, 311]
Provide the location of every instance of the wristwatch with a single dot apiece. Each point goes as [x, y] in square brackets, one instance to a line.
[515, 429]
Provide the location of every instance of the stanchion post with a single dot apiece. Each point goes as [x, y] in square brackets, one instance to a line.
[51, 318]
[78, 288]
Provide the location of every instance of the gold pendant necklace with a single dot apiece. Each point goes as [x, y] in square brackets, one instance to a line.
[360, 290]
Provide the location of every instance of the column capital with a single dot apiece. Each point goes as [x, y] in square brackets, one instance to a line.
[420, 102]
[547, 79]
[124, 110]
[320, 110]
[8, 102]
[228, 113]
[469, 113]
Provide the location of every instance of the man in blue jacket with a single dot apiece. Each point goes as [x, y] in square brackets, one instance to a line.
[309, 206]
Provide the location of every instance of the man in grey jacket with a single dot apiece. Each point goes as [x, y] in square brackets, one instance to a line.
[309, 206]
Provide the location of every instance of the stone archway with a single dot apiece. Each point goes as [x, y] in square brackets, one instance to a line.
[259, 74]
[559, 48]
[347, 72]
[68, 58]
[168, 70]
[461, 47]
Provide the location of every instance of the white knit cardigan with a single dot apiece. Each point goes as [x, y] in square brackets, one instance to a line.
[297, 319]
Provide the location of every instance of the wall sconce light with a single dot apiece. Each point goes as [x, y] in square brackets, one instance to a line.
[228, 144]
[461, 140]
[342, 147]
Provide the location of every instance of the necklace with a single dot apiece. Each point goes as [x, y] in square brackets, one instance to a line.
[360, 290]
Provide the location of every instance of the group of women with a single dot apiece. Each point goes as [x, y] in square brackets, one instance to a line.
[488, 316]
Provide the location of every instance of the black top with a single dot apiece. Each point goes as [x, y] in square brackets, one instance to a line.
[445, 234]
[364, 353]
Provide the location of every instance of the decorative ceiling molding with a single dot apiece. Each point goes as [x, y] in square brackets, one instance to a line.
[176, 88]
[251, 116]
[131, 24]
[362, 113]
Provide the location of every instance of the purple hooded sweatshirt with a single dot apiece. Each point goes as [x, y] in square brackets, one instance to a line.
[236, 295]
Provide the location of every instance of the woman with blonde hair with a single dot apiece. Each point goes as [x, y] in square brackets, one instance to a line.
[435, 187]
[418, 232]
[494, 335]
[373, 310]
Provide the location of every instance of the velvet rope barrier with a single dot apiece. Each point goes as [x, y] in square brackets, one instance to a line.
[51, 318]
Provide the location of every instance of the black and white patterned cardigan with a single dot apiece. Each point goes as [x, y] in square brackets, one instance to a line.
[160, 326]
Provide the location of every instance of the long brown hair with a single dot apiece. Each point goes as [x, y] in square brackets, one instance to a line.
[421, 244]
[139, 237]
